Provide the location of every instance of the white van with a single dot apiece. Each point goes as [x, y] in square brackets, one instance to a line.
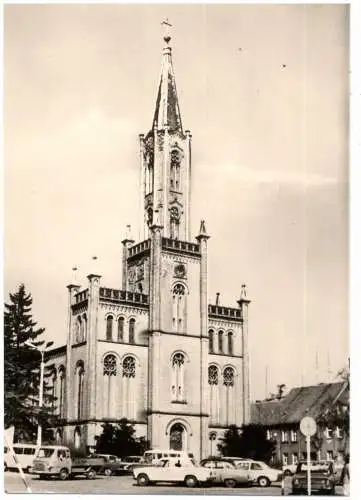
[25, 454]
[154, 457]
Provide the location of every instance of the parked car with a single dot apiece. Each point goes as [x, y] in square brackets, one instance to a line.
[315, 465]
[25, 454]
[155, 457]
[128, 463]
[173, 471]
[259, 472]
[322, 480]
[112, 464]
[226, 472]
[57, 461]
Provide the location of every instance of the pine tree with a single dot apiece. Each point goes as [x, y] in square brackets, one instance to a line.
[22, 366]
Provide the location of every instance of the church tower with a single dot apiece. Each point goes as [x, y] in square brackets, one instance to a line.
[178, 343]
[165, 164]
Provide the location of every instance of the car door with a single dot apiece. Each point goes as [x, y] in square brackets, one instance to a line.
[223, 470]
[245, 467]
[210, 464]
[256, 471]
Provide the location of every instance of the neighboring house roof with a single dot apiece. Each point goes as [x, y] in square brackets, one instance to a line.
[299, 402]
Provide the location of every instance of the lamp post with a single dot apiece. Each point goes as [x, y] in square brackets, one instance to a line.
[41, 348]
[212, 437]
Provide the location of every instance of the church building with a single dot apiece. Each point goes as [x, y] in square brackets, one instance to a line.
[155, 351]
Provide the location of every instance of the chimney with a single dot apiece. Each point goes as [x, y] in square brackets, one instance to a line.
[217, 298]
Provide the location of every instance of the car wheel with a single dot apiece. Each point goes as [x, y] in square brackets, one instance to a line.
[64, 474]
[190, 481]
[142, 480]
[91, 474]
[287, 472]
[263, 482]
[108, 472]
[230, 483]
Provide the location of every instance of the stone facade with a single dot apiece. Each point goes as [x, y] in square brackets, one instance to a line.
[154, 351]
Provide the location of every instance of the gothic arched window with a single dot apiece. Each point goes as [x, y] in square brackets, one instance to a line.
[178, 361]
[78, 330]
[61, 391]
[109, 373]
[213, 382]
[128, 388]
[229, 387]
[230, 342]
[211, 341]
[150, 216]
[179, 308]
[109, 333]
[132, 331]
[120, 329]
[85, 328]
[174, 223]
[220, 341]
[175, 162]
[79, 390]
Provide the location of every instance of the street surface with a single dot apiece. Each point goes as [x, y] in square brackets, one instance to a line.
[124, 485]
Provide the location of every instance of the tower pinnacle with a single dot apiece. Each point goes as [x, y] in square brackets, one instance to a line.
[167, 112]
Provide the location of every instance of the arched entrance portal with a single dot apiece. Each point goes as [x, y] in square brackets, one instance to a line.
[178, 438]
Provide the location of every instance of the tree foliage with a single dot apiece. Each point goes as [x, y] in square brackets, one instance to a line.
[119, 439]
[22, 368]
[249, 442]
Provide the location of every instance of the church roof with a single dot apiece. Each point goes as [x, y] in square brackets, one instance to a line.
[167, 106]
[300, 401]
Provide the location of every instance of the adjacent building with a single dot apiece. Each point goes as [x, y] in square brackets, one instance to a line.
[282, 416]
[155, 351]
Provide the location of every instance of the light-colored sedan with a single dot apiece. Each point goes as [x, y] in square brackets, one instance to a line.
[173, 471]
[260, 473]
[225, 472]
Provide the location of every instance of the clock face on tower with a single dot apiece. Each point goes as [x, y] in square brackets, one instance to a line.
[180, 271]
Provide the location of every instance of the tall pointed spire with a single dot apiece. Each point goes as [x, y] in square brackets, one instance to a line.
[167, 107]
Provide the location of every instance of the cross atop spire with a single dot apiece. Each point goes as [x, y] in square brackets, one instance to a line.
[167, 112]
[167, 25]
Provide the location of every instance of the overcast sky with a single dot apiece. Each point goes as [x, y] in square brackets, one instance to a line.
[263, 88]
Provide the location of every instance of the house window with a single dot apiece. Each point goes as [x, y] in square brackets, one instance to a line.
[220, 341]
[175, 161]
[329, 455]
[120, 329]
[339, 433]
[109, 332]
[179, 308]
[294, 459]
[211, 341]
[178, 377]
[109, 373]
[230, 343]
[293, 436]
[284, 458]
[328, 433]
[85, 328]
[213, 381]
[78, 330]
[131, 331]
[284, 437]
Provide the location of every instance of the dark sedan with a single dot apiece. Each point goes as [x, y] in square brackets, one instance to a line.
[322, 481]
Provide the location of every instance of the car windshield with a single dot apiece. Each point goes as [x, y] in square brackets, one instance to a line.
[45, 452]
